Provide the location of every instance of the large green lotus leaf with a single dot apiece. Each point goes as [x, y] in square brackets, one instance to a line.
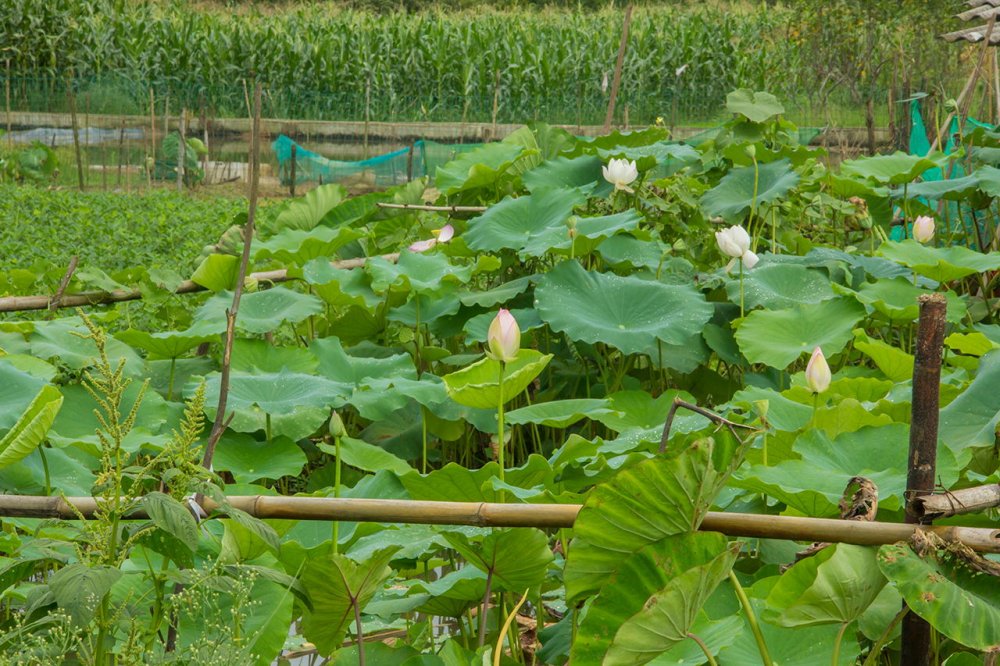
[62, 339]
[894, 169]
[777, 286]
[166, 344]
[962, 604]
[597, 229]
[498, 295]
[815, 483]
[896, 299]
[626, 249]
[531, 225]
[628, 313]
[940, 263]
[426, 308]
[17, 390]
[249, 460]
[631, 410]
[377, 398]
[452, 594]
[294, 246]
[260, 311]
[338, 286]
[335, 584]
[217, 272]
[517, 558]
[476, 168]
[734, 195]
[255, 356]
[566, 172]
[307, 211]
[353, 370]
[894, 363]
[834, 586]
[801, 646]
[779, 337]
[754, 106]
[783, 413]
[478, 385]
[670, 157]
[970, 420]
[671, 567]
[645, 503]
[454, 483]
[422, 273]
[31, 427]
[716, 634]
[953, 189]
[560, 413]
[67, 470]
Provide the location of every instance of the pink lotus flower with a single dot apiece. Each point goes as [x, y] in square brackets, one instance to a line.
[442, 235]
[504, 337]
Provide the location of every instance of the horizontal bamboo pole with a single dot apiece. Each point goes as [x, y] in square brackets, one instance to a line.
[955, 502]
[442, 209]
[24, 303]
[486, 514]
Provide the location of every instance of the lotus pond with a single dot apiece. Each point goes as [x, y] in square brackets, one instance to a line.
[527, 354]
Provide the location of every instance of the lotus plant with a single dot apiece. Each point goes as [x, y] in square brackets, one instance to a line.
[442, 235]
[735, 242]
[818, 375]
[923, 229]
[621, 173]
[503, 341]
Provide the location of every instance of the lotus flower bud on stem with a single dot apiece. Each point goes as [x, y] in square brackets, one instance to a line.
[818, 374]
[504, 337]
[923, 229]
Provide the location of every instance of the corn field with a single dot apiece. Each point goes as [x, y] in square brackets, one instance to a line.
[553, 64]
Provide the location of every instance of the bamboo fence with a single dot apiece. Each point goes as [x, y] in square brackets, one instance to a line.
[488, 514]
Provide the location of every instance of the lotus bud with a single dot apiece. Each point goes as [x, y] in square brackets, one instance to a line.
[621, 174]
[923, 229]
[818, 372]
[250, 284]
[504, 337]
[336, 426]
[751, 151]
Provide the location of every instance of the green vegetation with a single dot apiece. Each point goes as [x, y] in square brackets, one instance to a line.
[624, 291]
[825, 59]
[110, 231]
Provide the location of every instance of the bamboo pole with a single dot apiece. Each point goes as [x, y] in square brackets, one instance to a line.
[10, 139]
[616, 82]
[442, 209]
[181, 148]
[488, 514]
[955, 502]
[922, 460]
[71, 97]
[25, 303]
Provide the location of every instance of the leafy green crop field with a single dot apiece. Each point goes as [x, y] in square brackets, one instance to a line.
[109, 230]
[655, 332]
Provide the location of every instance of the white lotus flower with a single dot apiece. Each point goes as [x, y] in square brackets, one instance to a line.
[923, 229]
[735, 242]
[621, 174]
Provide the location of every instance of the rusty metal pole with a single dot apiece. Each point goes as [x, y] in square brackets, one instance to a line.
[921, 463]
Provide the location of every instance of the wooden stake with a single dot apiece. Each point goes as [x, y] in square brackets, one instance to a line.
[10, 139]
[916, 639]
[487, 514]
[181, 149]
[996, 87]
[152, 138]
[71, 98]
[616, 82]
[496, 105]
[291, 186]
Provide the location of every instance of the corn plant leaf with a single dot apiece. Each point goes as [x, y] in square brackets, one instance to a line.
[649, 604]
[628, 313]
[30, 429]
[779, 337]
[654, 499]
[962, 604]
[834, 586]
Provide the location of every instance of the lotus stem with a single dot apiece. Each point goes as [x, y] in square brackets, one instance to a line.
[835, 660]
[704, 648]
[751, 619]
[336, 493]
[741, 287]
[500, 442]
